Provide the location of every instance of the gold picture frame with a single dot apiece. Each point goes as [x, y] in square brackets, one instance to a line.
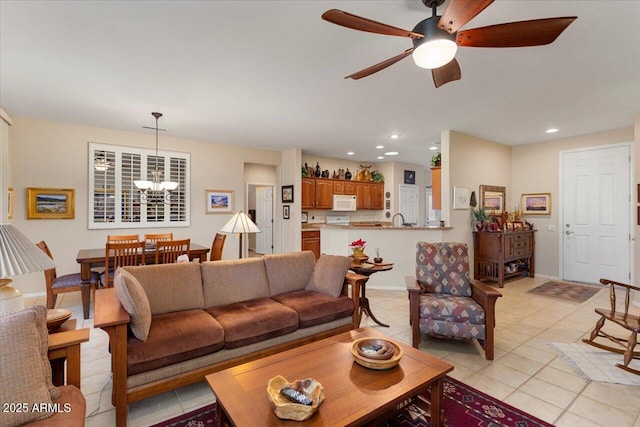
[51, 203]
[11, 201]
[536, 204]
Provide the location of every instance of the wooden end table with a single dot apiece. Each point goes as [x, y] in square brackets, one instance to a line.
[367, 269]
[354, 395]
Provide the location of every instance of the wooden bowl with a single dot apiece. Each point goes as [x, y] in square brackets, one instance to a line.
[376, 348]
[56, 317]
[286, 409]
[376, 363]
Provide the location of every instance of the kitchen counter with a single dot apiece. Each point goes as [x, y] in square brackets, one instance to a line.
[377, 226]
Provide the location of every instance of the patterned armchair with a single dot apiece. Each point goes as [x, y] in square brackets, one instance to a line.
[444, 302]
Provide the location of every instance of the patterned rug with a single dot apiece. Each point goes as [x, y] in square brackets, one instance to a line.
[463, 406]
[567, 290]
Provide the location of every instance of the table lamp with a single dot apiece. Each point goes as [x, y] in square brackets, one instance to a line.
[239, 224]
[18, 255]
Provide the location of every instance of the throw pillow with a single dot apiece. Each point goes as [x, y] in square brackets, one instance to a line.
[26, 373]
[328, 274]
[133, 298]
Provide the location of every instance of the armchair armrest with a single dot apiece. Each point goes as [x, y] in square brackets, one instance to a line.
[66, 346]
[356, 281]
[486, 296]
[414, 307]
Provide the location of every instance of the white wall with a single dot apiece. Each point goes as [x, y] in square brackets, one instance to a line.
[51, 154]
[5, 165]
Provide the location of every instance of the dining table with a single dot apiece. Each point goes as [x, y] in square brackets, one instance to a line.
[92, 258]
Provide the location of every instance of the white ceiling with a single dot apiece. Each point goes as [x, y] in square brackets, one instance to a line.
[269, 74]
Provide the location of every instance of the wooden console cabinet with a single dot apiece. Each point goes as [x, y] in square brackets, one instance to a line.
[496, 252]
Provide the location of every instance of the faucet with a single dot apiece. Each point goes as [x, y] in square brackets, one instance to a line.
[393, 219]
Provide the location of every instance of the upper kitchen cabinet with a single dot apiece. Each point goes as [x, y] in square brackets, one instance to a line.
[308, 193]
[363, 194]
[344, 187]
[317, 193]
[377, 196]
[436, 190]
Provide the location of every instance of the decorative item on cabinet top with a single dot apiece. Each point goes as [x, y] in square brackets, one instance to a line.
[363, 175]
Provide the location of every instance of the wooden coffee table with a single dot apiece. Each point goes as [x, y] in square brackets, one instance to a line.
[354, 395]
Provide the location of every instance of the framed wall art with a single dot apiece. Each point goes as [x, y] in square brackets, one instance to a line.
[286, 212]
[304, 217]
[287, 194]
[219, 201]
[51, 203]
[536, 204]
[10, 202]
[409, 177]
[461, 197]
[492, 199]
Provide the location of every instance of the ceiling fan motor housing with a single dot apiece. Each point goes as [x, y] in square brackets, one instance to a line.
[437, 48]
[429, 27]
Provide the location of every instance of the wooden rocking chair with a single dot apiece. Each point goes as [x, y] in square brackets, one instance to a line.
[628, 321]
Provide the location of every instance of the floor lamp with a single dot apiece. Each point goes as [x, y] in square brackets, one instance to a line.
[18, 255]
[239, 224]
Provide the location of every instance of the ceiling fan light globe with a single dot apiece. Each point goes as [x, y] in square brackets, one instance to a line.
[434, 53]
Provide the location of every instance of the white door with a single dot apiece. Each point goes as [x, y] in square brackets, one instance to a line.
[409, 203]
[596, 215]
[264, 220]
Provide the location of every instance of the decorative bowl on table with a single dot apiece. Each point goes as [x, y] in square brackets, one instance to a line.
[56, 317]
[288, 410]
[376, 353]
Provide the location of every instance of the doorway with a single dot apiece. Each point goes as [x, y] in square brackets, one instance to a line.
[260, 203]
[595, 217]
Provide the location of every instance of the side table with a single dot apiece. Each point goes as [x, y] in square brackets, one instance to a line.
[367, 269]
[64, 346]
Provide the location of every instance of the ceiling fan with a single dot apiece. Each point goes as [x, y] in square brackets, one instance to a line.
[436, 39]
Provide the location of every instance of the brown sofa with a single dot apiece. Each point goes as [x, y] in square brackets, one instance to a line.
[210, 316]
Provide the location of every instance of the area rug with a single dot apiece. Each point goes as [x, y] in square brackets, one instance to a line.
[463, 406]
[594, 364]
[565, 290]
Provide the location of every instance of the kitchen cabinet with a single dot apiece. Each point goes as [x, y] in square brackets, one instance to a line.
[311, 242]
[500, 255]
[363, 194]
[344, 187]
[317, 193]
[436, 189]
[324, 194]
[377, 196]
[308, 193]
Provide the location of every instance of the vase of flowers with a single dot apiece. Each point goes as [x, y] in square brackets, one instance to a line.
[358, 248]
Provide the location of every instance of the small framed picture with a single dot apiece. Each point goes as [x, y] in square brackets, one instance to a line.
[517, 225]
[305, 217]
[50, 203]
[285, 212]
[11, 202]
[287, 194]
[509, 226]
[536, 204]
[461, 197]
[219, 201]
[409, 177]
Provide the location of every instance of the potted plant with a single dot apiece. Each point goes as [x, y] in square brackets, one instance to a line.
[436, 159]
[358, 247]
[481, 216]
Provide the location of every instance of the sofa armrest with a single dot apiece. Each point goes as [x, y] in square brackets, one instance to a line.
[486, 296]
[108, 309]
[66, 346]
[356, 281]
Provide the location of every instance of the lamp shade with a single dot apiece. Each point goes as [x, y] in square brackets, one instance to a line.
[240, 223]
[19, 255]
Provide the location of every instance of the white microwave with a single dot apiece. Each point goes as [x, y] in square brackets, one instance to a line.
[344, 202]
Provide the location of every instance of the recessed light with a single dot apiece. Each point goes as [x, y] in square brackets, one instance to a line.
[379, 147]
[391, 153]
[350, 153]
[433, 148]
[552, 130]
[380, 157]
[394, 136]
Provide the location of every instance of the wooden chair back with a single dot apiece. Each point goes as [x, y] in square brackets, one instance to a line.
[168, 251]
[123, 238]
[121, 254]
[217, 246]
[155, 238]
[50, 276]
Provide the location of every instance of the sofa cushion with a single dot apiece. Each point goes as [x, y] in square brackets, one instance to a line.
[289, 272]
[328, 274]
[173, 338]
[72, 399]
[25, 373]
[451, 308]
[171, 287]
[314, 308]
[134, 300]
[228, 282]
[256, 320]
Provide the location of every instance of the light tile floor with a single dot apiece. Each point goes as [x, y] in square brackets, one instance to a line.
[526, 373]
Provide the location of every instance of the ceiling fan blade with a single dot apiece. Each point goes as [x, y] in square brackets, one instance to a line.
[459, 12]
[447, 73]
[380, 66]
[536, 32]
[363, 24]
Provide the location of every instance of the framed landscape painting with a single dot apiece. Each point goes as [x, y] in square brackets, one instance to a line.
[50, 203]
[536, 204]
[218, 201]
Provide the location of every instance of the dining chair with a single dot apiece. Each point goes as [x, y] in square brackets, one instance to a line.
[168, 251]
[65, 283]
[217, 246]
[119, 255]
[155, 238]
[123, 238]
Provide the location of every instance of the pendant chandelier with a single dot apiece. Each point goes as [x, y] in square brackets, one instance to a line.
[156, 184]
